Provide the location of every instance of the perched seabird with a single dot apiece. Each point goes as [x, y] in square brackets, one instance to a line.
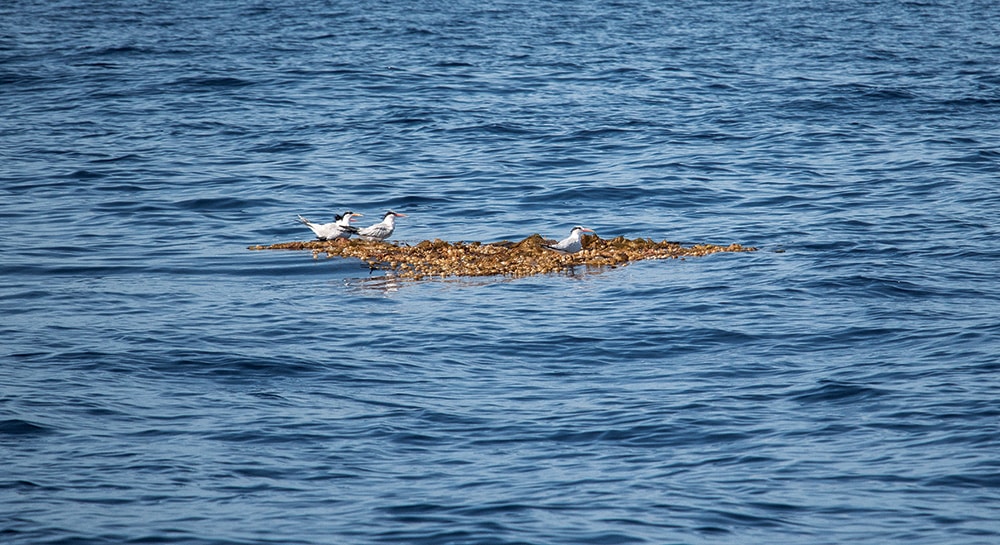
[382, 230]
[341, 228]
[572, 243]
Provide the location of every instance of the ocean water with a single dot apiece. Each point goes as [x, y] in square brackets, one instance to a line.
[160, 383]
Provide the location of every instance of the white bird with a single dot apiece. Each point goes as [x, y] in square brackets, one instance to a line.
[383, 229]
[572, 243]
[341, 228]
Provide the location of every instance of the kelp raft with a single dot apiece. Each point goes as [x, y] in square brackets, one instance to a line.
[527, 257]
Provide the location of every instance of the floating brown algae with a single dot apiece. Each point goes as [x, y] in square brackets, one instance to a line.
[524, 258]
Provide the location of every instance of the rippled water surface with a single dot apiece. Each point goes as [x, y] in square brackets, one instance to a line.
[159, 383]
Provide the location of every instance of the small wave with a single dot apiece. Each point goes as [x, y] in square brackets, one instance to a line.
[127, 157]
[22, 427]
[217, 204]
[283, 147]
[85, 175]
[988, 157]
[831, 391]
[971, 101]
[210, 82]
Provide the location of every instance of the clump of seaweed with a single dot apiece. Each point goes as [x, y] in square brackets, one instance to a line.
[437, 258]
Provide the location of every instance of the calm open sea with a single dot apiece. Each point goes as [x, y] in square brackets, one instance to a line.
[159, 383]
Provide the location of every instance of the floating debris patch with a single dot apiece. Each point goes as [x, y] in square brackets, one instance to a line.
[527, 257]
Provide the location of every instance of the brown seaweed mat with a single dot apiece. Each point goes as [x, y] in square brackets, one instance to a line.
[524, 258]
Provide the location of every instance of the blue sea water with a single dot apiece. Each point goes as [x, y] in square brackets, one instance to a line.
[160, 383]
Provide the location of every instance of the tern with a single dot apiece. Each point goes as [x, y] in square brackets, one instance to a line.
[572, 243]
[382, 230]
[341, 228]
